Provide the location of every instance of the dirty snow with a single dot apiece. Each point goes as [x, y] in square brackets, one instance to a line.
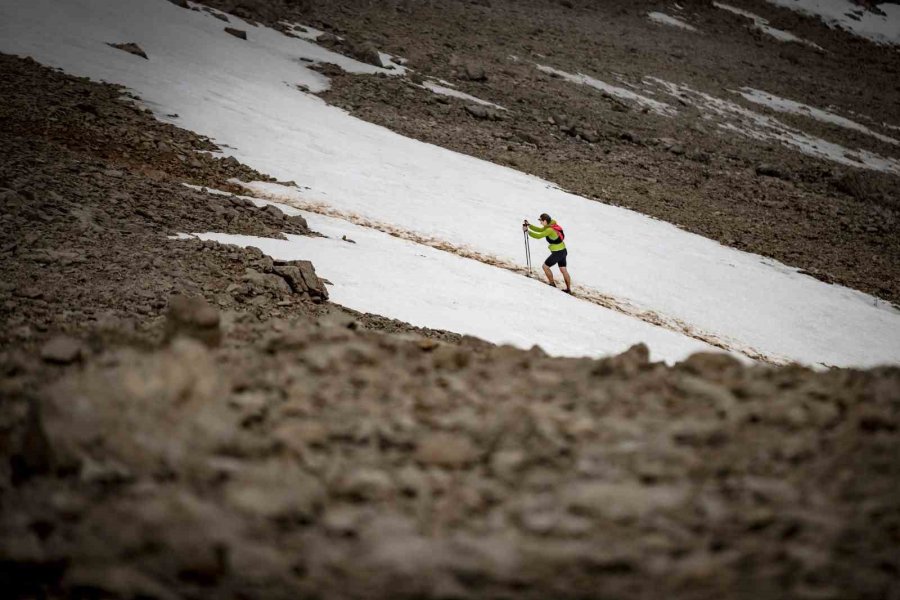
[663, 18]
[790, 106]
[735, 118]
[763, 25]
[656, 106]
[883, 29]
[240, 94]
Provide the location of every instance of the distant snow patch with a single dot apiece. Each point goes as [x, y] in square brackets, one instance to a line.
[656, 106]
[789, 106]
[658, 17]
[763, 25]
[881, 28]
[445, 91]
[738, 119]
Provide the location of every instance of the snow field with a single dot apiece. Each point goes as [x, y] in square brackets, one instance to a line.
[425, 287]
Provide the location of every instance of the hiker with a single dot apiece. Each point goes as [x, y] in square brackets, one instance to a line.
[554, 233]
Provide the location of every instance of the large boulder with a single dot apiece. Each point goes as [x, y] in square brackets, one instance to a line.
[193, 317]
[142, 414]
[484, 113]
[301, 276]
[474, 72]
[367, 53]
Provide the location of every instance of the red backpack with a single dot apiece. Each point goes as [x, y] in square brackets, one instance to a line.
[559, 232]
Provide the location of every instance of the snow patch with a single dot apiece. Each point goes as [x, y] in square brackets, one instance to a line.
[663, 18]
[660, 108]
[736, 118]
[446, 91]
[763, 25]
[790, 106]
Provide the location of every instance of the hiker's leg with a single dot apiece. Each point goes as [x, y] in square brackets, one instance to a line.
[565, 273]
[549, 275]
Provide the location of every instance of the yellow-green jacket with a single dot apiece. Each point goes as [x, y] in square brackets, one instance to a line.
[553, 238]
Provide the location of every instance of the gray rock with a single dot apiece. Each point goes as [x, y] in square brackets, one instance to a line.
[117, 581]
[264, 283]
[131, 48]
[294, 278]
[62, 350]
[238, 33]
[710, 364]
[474, 72]
[193, 317]
[629, 362]
[446, 450]
[299, 221]
[367, 53]
[480, 111]
[366, 484]
[328, 40]
[769, 170]
[313, 283]
[342, 520]
[276, 490]
[274, 211]
[625, 501]
[589, 135]
[529, 138]
[144, 411]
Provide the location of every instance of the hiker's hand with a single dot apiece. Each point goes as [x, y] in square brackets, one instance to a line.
[525, 226]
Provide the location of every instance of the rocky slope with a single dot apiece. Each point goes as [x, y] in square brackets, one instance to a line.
[185, 419]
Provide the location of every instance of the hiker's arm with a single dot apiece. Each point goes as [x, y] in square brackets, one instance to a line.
[539, 232]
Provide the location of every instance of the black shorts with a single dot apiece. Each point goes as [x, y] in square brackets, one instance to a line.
[557, 258]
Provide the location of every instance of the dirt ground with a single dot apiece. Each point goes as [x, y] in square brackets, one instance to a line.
[182, 419]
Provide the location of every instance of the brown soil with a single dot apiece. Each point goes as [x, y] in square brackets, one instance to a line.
[838, 223]
[182, 419]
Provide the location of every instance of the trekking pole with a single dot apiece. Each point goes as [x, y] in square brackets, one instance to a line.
[527, 252]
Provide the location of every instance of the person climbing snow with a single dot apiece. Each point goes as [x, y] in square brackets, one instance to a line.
[554, 234]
